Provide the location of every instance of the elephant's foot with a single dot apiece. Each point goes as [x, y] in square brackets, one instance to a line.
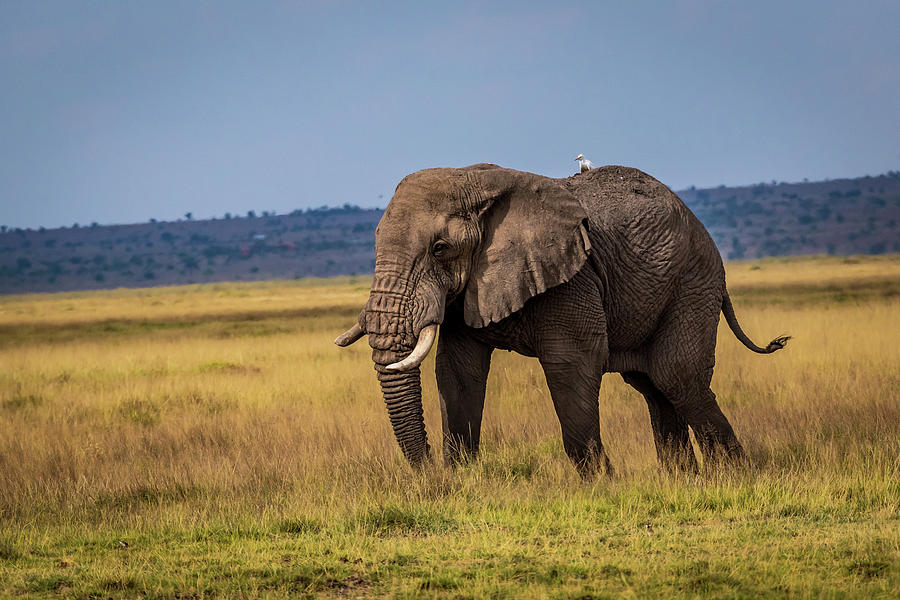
[591, 460]
[678, 461]
[721, 452]
[459, 450]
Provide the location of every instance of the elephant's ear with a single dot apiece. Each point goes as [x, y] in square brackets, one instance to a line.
[533, 238]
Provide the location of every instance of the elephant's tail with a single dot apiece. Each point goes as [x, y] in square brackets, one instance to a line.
[728, 310]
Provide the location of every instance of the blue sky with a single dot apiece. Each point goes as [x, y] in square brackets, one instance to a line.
[117, 112]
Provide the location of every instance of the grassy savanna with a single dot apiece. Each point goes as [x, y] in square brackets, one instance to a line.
[210, 441]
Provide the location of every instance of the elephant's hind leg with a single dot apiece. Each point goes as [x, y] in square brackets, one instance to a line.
[670, 432]
[696, 403]
[681, 367]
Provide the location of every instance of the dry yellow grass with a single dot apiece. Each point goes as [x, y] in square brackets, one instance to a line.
[818, 271]
[220, 433]
[180, 303]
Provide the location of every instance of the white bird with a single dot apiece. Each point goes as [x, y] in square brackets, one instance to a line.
[584, 163]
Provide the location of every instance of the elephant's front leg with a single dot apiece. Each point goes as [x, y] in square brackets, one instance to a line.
[575, 388]
[570, 334]
[461, 368]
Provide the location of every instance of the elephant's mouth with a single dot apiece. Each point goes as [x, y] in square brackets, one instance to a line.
[427, 335]
[424, 343]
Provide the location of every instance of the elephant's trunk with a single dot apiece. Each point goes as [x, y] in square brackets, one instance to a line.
[403, 397]
[392, 338]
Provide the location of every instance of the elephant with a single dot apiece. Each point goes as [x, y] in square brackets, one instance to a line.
[606, 271]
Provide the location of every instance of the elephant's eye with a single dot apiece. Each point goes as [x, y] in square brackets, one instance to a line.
[440, 248]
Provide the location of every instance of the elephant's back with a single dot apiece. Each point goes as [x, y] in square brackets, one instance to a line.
[643, 238]
[636, 209]
[615, 188]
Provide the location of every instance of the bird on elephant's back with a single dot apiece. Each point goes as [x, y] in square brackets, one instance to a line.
[584, 164]
[603, 272]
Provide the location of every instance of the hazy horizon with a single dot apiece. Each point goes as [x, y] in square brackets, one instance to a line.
[259, 213]
[119, 113]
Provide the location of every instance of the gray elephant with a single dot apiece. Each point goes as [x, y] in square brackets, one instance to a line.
[605, 271]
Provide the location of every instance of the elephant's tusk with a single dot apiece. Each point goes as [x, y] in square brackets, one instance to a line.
[348, 337]
[426, 341]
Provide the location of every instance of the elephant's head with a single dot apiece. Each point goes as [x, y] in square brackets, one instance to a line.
[485, 237]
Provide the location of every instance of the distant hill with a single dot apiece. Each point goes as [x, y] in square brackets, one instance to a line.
[315, 243]
[842, 216]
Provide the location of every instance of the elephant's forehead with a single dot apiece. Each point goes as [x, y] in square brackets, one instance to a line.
[408, 225]
[436, 190]
[422, 207]
[407, 221]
